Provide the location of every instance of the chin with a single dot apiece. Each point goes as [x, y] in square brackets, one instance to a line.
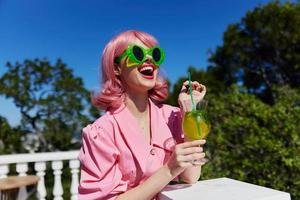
[147, 87]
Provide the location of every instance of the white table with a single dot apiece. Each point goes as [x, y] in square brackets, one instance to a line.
[221, 189]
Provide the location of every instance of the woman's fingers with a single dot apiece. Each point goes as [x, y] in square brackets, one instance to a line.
[191, 150]
[199, 87]
[195, 86]
[185, 155]
[201, 161]
[184, 87]
[191, 143]
[191, 157]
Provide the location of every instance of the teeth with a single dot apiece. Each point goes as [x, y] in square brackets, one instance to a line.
[146, 68]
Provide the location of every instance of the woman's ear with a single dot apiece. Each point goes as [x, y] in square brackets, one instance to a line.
[117, 69]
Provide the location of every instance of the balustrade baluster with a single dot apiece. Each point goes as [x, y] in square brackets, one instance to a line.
[22, 168]
[40, 168]
[57, 189]
[74, 166]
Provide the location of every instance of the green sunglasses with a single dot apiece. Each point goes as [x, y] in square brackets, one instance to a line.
[137, 54]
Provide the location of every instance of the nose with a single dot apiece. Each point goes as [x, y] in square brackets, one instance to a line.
[148, 58]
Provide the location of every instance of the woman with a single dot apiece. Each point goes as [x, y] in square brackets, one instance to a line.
[137, 147]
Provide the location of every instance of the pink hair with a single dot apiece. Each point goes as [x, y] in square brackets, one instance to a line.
[112, 94]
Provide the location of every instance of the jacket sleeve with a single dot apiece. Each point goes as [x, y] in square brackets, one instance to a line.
[101, 177]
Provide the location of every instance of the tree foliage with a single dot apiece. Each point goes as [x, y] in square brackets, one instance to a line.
[262, 50]
[53, 102]
[10, 138]
[255, 142]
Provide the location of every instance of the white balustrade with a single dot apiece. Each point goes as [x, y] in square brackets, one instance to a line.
[74, 166]
[22, 168]
[40, 168]
[40, 160]
[58, 189]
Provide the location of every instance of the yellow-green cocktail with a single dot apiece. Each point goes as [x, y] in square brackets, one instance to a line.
[196, 124]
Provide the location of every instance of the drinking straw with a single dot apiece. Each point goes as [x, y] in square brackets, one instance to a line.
[191, 91]
[199, 131]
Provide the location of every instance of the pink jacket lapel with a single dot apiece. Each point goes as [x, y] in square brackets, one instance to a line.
[161, 134]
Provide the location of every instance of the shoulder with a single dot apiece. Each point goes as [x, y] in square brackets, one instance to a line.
[98, 141]
[103, 126]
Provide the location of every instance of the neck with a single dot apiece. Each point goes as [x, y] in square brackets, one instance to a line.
[137, 103]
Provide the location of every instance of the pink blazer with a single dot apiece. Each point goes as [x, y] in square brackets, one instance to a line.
[115, 156]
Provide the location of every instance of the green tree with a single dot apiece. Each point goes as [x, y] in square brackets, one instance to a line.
[255, 142]
[53, 102]
[10, 138]
[262, 50]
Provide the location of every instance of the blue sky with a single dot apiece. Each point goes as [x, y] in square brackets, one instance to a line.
[77, 31]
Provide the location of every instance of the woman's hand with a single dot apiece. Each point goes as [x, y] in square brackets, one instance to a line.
[184, 155]
[184, 99]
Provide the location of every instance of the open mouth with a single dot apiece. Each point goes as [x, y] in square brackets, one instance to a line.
[146, 70]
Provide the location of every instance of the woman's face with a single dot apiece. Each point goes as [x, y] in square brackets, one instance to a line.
[139, 78]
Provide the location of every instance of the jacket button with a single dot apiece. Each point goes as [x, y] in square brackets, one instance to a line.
[152, 151]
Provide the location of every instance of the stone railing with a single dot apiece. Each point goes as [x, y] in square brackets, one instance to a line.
[21, 161]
